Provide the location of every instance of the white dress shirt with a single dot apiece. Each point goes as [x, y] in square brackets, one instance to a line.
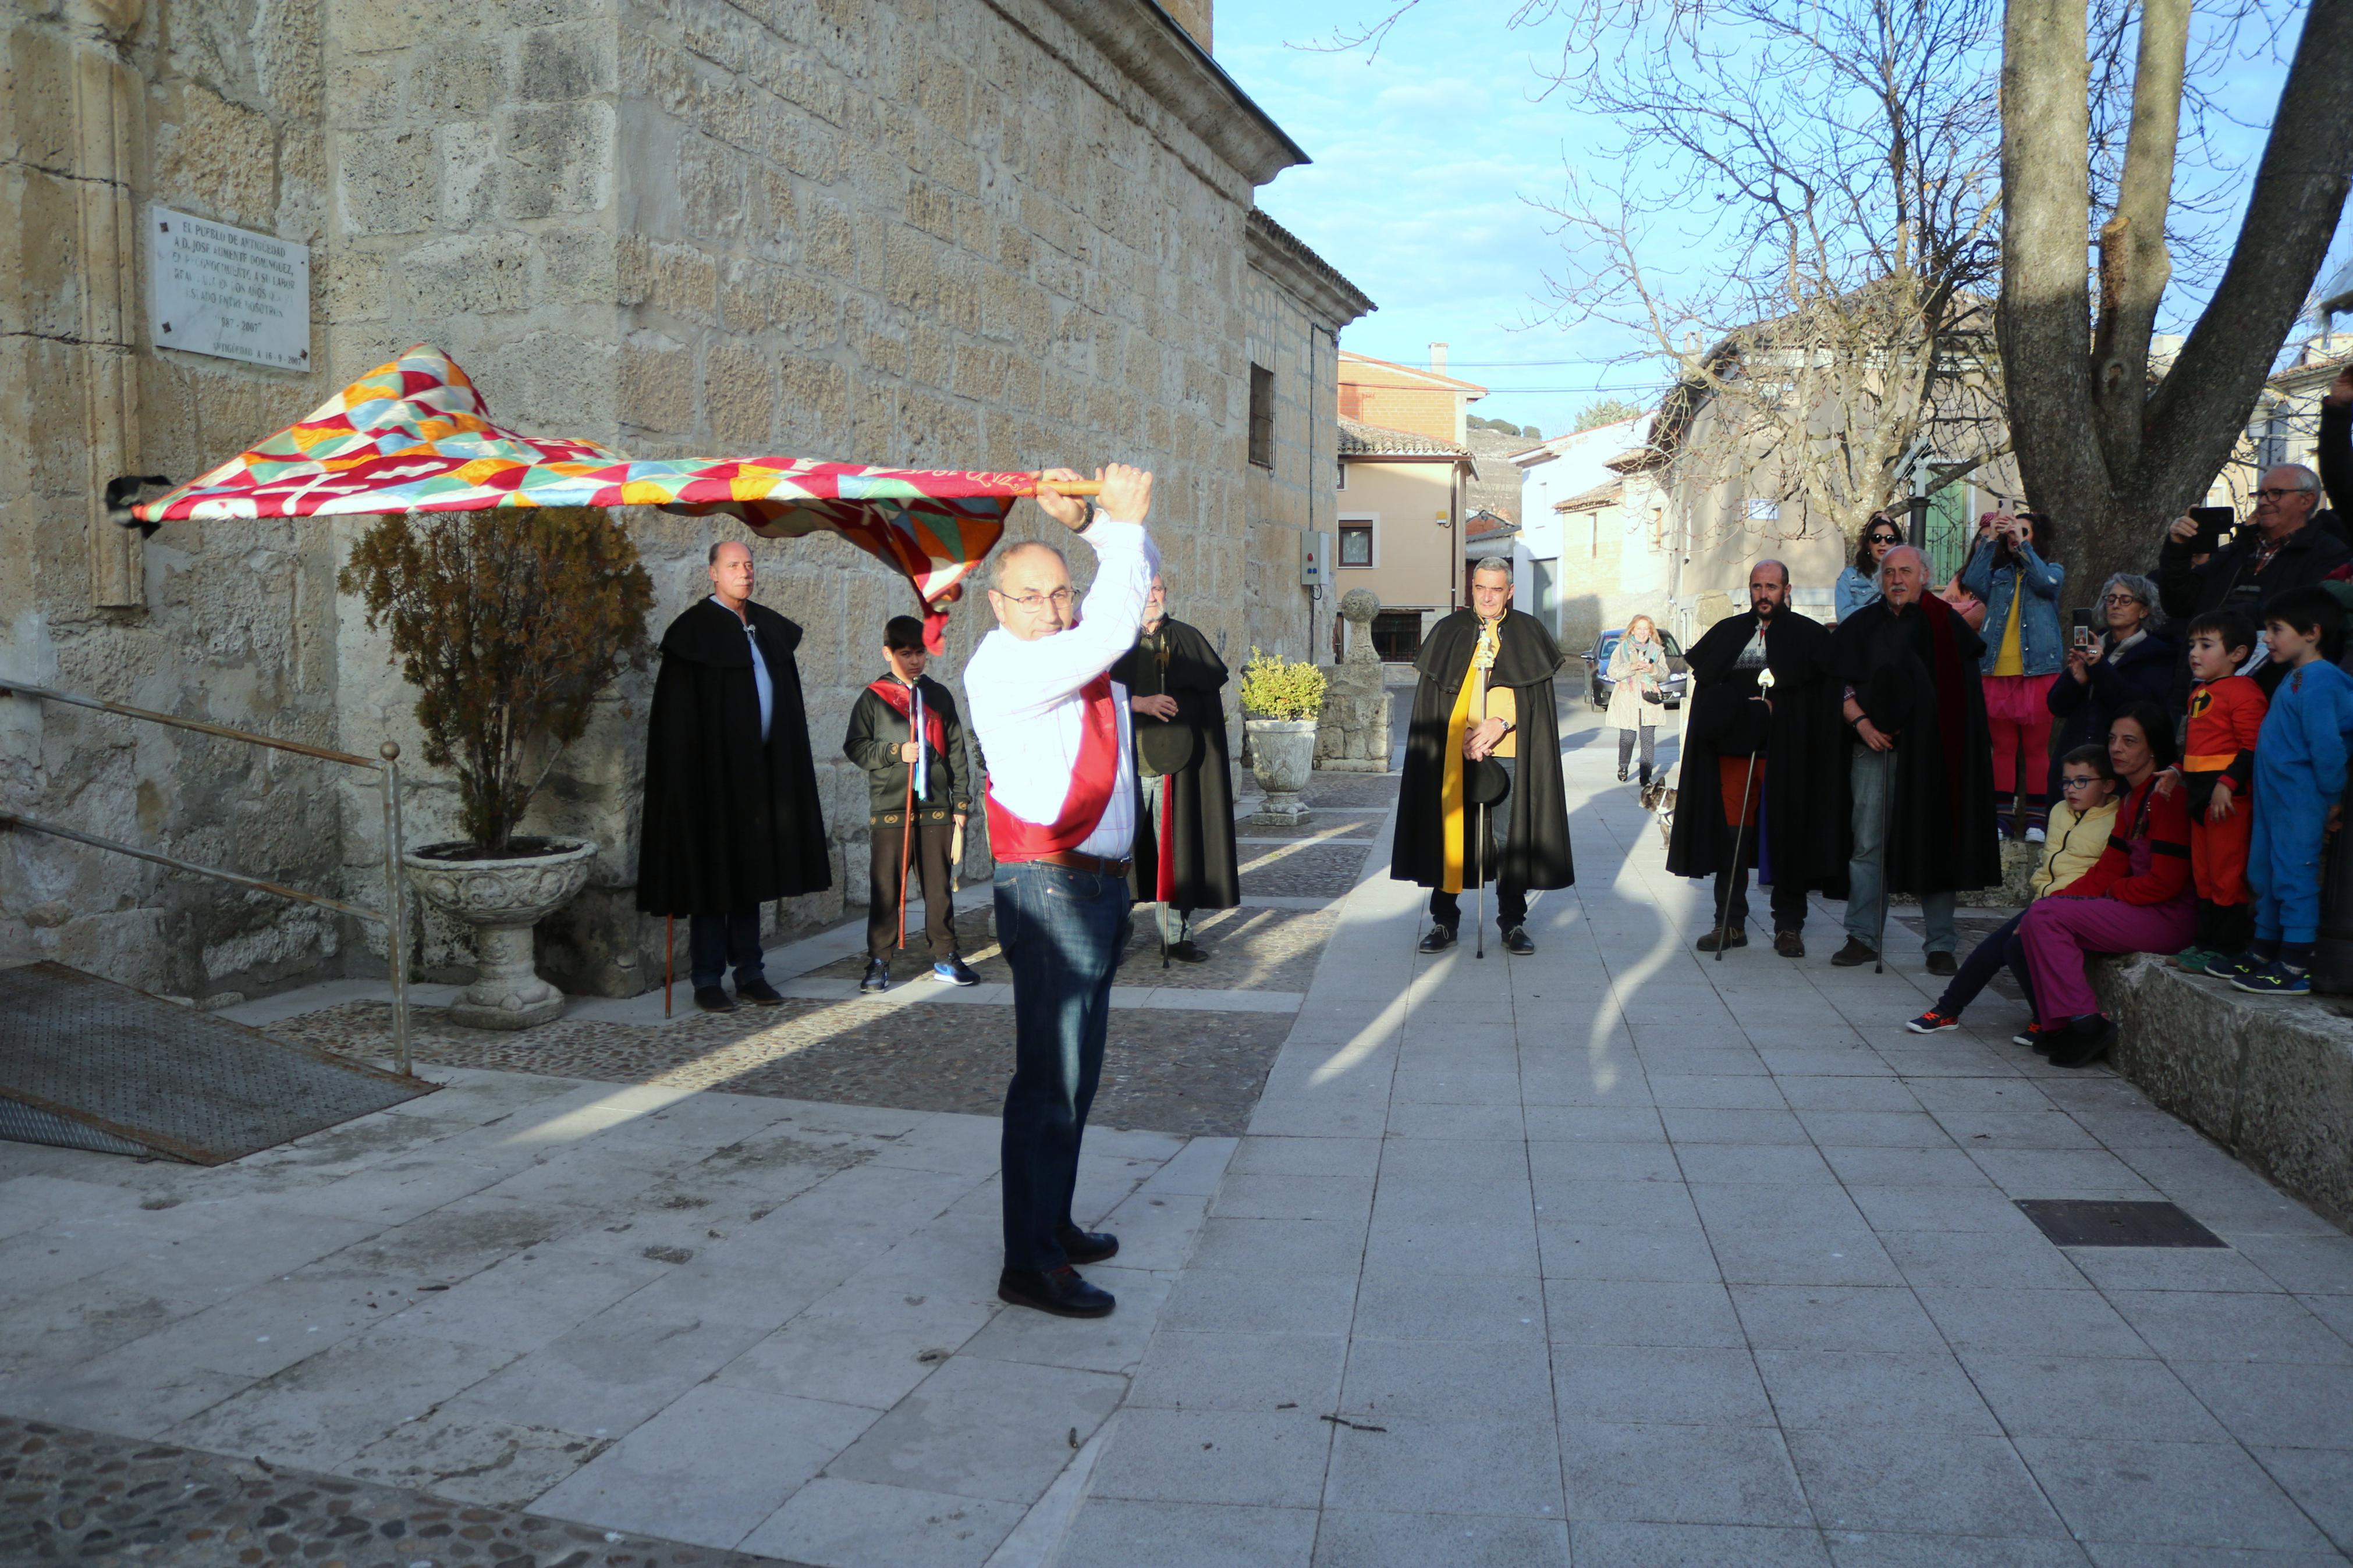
[1023, 697]
[760, 677]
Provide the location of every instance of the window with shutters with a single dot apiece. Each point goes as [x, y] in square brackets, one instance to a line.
[1261, 417]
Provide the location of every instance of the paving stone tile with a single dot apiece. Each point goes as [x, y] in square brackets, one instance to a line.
[1800, 1257]
[1238, 1371]
[982, 1428]
[1090, 1344]
[1260, 1301]
[2168, 1494]
[2060, 1172]
[1875, 1129]
[2002, 1094]
[1466, 1201]
[1907, 1168]
[2140, 1554]
[1246, 1195]
[1743, 1128]
[1834, 1317]
[1426, 1466]
[1350, 1539]
[1981, 1208]
[710, 1467]
[1660, 1062]
[1602, 1162]
[1640, 1312]
[1817, 1091]
[1271, 1458]
[1768, 1163]
[1444, 1086]
[1411, 1121]
[851, 1524]
[1728, 1208]
[1412, 1304]
[1439, 1248]
[1663, 1204]
[1933, 1482]
[2309, 1264]
[1581, 1251]
[2320, 1480]
[1745, 1091]
[1679, 1384]
[1448, 1380]
[2202, 1268]
[1977, 1257]
[2206, 1325]
[1981, 1129]
[2271, 1405]
[1872, 1548]
[2048, 1395]
[1311, 1246]
[1449, 1159]
[1117, 1532]
[1261, 1156]
[1680, 1475]
[2006, 1321]
[1921, 1391]
[1600, 1543]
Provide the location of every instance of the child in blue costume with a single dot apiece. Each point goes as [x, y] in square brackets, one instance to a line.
[2300, 763]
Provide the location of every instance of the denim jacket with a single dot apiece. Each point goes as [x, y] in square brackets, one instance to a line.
[2041, 649]
[1854, 591]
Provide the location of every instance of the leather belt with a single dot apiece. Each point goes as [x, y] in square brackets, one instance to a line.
[1076, 861]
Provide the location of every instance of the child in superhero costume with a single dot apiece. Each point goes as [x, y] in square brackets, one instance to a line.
[2217, 767]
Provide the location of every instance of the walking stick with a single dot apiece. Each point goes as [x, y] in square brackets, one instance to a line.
[1722, 915]
[669, 946]
[906, 849]
[1479, 936]
[1887, 813]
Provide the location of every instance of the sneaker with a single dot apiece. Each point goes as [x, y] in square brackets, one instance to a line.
[878, 976]
[1933, 1023]
[1856, 951]
[952, 971]
[2034, 1036]
[2235, 966]
[2194, 960]
[2034, 836]
[2274, 979]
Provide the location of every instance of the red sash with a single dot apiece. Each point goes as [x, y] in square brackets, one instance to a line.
[903, 702]
[1011, 838]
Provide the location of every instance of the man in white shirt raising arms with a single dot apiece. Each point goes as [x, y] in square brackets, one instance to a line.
[1061, 825]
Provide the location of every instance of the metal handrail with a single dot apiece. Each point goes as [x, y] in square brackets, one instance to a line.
[387, 772]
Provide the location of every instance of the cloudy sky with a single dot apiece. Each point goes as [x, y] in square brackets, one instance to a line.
[1427, 160]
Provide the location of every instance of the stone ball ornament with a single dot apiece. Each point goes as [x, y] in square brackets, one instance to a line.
[1359, 606]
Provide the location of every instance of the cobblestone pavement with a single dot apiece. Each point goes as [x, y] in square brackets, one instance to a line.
[70, 1496]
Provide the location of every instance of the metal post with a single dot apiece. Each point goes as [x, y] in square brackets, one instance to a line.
[396, 917]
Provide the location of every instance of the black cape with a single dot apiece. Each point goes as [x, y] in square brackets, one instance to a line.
[1801, 739]
[1200, 827]
[729, 823]
[1916, 677]
[1536, 852]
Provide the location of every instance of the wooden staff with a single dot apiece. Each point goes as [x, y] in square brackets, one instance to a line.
[1042, 485]
[906, 848]
[669, 946]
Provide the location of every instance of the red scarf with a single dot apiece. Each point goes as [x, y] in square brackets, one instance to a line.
[1097, 770]
[903, 702]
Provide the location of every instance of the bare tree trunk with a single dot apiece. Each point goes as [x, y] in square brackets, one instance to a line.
[2112, 459]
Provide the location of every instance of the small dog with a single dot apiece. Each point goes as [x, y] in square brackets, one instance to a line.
[1661, 803]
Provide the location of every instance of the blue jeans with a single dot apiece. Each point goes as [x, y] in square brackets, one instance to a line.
[714, 942]
[1062, 932]
[1873, 773]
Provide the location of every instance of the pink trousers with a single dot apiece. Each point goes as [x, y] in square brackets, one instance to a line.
[2058, 932]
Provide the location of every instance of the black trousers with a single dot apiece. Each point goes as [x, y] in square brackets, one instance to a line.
[928, 869]
[1511, 894]
[1788, 895]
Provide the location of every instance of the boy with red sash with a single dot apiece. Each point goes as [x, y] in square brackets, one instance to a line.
[2218, 764]
[1062, 826]
[921, 780]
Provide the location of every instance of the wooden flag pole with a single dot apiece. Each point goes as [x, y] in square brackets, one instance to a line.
[1068, 487]
[906, 849]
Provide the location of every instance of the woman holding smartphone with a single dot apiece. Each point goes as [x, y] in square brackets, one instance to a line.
[2012, 570]
[2119, 654]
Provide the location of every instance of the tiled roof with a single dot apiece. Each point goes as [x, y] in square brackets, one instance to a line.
[1358, 440]
[1598, 496]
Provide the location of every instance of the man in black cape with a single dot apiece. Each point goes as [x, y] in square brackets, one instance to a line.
[731, 815]
[1762, 766]
[1920, 775]
[1185, 813]
[1452, 761]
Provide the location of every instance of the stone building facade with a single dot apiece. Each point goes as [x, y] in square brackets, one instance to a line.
[957, 233]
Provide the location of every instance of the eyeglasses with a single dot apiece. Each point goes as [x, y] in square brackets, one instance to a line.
[2275, 494]
[2122, 599]
[2079, 784]
[1063, 598]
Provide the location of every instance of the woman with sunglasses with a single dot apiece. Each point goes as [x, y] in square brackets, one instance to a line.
[2012, 570]
[1859, 585]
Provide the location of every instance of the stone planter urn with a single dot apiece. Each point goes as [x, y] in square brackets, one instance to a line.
[503, 899]
[1283, 753]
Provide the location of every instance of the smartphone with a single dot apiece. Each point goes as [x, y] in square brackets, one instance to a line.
[2084, 633]
[2214, 524]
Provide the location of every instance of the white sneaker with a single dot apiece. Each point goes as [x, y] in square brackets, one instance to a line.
[2034, 836]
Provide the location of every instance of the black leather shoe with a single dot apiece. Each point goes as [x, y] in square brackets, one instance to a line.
[1186, 952]
[1941, 964]
[1856, 951]
[1436, 939]
[1086, 1246]
[1516, 943]
[2082, 1042]
[1789, 944]
[760, 994]
[713, 999]
[1733, 936]
[1057, 1291]
[878, 976]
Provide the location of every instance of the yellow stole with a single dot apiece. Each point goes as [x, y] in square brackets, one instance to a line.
[1470, 708]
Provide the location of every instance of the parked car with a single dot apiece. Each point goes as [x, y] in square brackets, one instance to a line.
[1597, 670]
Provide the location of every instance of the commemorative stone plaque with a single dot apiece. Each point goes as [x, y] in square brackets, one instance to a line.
[229, 292]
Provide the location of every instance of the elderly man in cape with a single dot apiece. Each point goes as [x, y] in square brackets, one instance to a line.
[1185, 829]
[1483, 714]
[1762, 767]
[1921, 760]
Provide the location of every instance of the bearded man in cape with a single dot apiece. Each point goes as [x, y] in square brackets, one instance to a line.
[1494, 660]
[1920, 775]
[1184, 830]
[1763, 781]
